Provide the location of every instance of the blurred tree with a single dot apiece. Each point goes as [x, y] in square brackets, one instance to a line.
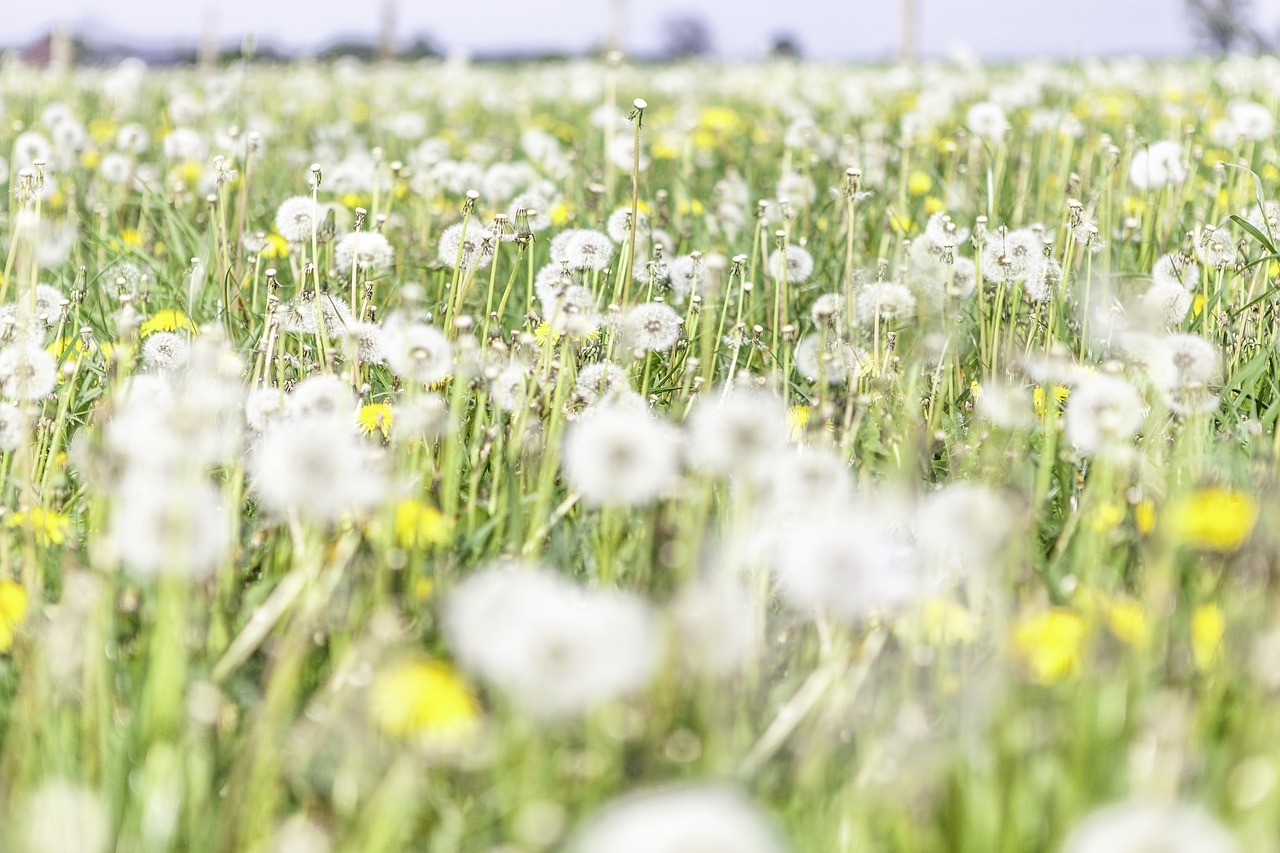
[1224, 24]
[685, 36]
[785, 45]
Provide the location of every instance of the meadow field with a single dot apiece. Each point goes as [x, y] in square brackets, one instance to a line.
[607, 457]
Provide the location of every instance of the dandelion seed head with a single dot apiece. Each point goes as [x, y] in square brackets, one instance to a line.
[166, 351]
[651, 326]
[554, 648]
[1150, 826]
[597, 379]
[794, 263]
[1103, 414]
[417, 352]
[616, 457]
[679, 820]
[367, 251]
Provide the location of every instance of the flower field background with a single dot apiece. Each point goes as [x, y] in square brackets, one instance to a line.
[602, 457]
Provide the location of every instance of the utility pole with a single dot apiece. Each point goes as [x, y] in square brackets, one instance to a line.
[910, 32]
[386, 50]
[617, 25]
[207, 53]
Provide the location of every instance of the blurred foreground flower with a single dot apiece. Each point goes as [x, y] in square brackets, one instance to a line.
[1207, 629]
[13, 607]
[51, 528]
[1050, 644]
[1216, 519]
[423, 700]
[167, 320]
[418, 525]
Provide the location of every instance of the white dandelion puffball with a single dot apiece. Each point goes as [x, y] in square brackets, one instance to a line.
[1103, 414]
[168, 527]
[619, 224]
[1175, 268]
[1009, 256]
[298, 217]
[165, 351]
[62, 817]
[680, 820]
[424, 417]
[368, 251]
[794, 263]
[651, 326]
[315, 466]
[886, 300]
[1185, 369]
[1167, 302]
[417, 352]
[1167, 828]
[618, 457]
[832, 361]
[844, 563]
[738, 431]
[1157, 166]
[321, 396]
[13, 427]
[1254, 121]
[589, 250]
[987, 121]
[27, 371]
[960, 528]
[598, 379]
[466, 246]
[555, 648]
[717, 625]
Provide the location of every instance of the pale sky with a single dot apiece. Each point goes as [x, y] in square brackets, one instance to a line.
[826, 29]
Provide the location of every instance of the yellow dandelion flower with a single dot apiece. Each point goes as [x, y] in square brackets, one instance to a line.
[100, 130]
[1215, 519]
[559, 213]
[166, 320]
[691, 206]
[901, 224]
[277, 247]
[933, 204]
[1107, 515]
[131, 237]
[51, 528]
[13, 607]
[1207, 629]
[1144, 516]
[1134, 206]
[919, 183]
[375, 417]
[947, 623]
[1060, 394]
[90, 158]
[665, 147]
[1050, 645]
[423, 589]
[1127, 620]
[544, 332]
[418, 525]
[719, 119]
[423, 699]
[1198, 305]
